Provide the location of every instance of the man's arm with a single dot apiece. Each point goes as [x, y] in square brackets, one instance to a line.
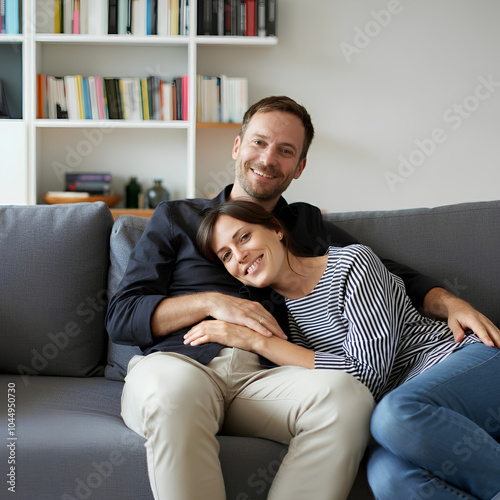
[426, 293]
[461, 316]
[174, 313]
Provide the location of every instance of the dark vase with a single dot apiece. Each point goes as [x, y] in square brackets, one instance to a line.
[157, 194]
[132, 192]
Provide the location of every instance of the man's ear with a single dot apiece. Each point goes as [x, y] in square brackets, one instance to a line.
[300, 168]
[236, 147]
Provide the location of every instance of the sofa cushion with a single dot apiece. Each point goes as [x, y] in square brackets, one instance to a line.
[54, 288]
[125, 234]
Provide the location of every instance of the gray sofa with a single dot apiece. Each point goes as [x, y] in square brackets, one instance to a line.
[61, 379]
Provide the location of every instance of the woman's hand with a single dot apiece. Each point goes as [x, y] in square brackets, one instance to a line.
[224, 333]
[273, 348]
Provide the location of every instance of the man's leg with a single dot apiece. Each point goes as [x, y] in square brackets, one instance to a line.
[178, 407]
[323, 415]
[442, 426]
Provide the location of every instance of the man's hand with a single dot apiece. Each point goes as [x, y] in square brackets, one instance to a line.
[245, 313]
[174, 313]
[441, 304]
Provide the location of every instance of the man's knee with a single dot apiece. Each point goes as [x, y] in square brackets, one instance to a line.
[343, 401]
[168, 385]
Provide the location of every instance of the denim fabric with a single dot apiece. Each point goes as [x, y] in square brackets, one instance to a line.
[438, 432]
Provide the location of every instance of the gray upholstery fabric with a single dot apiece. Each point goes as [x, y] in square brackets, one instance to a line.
[456, 244]
[126, 232]
[54, 262]
[73, 444]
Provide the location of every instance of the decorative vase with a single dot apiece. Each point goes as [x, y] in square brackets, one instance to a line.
[132, 192]
[157, 194]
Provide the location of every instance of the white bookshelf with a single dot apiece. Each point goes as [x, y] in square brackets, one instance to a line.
[145, 149]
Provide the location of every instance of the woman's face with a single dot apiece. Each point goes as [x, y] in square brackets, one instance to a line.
[251, 253]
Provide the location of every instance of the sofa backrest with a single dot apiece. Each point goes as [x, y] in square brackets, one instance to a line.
[54, 265]
[456, 244]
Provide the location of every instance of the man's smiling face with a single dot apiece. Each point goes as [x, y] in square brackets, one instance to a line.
[268, 155]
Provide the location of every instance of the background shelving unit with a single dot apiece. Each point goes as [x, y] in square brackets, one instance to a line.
[14, 56]
[146, 149]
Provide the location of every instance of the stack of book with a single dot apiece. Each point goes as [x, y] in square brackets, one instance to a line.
[89, 183]
[9, 16]
[237, 17]
[221, 99]
[94, 98]
[122, 17]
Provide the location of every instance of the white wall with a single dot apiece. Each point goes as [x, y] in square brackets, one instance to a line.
[418, 75]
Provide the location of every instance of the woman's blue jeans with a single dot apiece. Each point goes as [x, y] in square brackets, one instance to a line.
[437, 432]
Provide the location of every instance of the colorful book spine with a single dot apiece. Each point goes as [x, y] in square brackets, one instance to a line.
[12, 17]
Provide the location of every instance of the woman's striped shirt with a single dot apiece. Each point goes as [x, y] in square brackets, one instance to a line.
[359, 319]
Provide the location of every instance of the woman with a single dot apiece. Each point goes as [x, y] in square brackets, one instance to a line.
[347, 312]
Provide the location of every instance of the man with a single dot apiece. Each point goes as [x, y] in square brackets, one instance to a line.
[180, 396]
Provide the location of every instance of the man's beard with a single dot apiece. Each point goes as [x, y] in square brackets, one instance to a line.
[248, 187]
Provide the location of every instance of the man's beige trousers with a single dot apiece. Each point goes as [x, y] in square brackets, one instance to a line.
[179, 405]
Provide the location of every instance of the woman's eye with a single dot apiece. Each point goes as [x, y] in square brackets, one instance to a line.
[225, 256]
[245, 236]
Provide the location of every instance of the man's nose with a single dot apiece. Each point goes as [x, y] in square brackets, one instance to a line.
[269, 156]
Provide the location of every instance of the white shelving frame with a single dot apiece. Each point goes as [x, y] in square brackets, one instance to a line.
[34, 44]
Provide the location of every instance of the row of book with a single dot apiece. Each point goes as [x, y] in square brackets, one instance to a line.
[236, 17]
[76, 97]
[221, 99]
[9, 16]
[122, 17]
[164, 17]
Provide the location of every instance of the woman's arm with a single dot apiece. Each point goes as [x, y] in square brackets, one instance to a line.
[275, 349]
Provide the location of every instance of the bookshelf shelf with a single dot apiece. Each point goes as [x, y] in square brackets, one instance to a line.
[122, 40]
[147, 149]
[112, 124]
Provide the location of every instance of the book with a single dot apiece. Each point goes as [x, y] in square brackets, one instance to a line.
[139, 17]
[251, 27]
[41, 95]
[123, 17]
[271, 17]
[68, 16]
[174, 17]
[112, 87]
[112, 17]
[4, 108]
[76, 17]
[166, 100]
[2, 16]
[72, 98]
[163, 18]
[12, 17]
[97, 17]
[84, 17]
[58, 16]
[130, 90]
[88, 183]
[145, 100]
[86, 99]
[261, 17]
